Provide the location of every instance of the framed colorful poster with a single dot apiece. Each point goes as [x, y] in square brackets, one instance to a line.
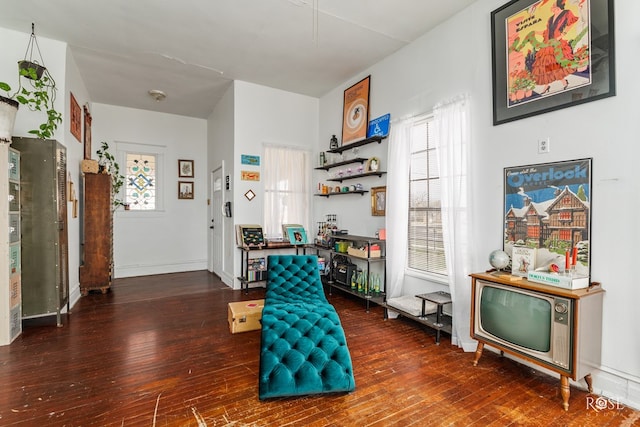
[547, 206]
[247, 159]
[550, 54]
[355, 113]
[250, 176]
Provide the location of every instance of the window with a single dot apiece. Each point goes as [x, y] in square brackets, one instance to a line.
[287, 188]
[565, 216]
[141, 165]
[425, 244]
[140, 181]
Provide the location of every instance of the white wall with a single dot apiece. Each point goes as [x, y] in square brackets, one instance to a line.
[75, 154]
[174, 239]
[220, 134]
[456, 58]
[265, 115]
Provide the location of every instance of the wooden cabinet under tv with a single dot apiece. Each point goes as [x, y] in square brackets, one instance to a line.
[582, 327]
[97, 230]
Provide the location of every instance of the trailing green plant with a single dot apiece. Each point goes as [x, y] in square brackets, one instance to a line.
[107, 164]
[39, 95]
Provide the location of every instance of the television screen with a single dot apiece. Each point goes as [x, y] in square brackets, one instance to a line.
[521, 319]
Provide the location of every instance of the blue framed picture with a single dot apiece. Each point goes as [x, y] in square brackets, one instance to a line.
[247, 159]
[297, 235]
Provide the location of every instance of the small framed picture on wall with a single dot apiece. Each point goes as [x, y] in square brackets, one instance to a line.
[76, 118]
[185, 190]
[185, 168]
[378, 201]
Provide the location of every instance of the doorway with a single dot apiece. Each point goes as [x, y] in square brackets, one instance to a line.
[217, 224]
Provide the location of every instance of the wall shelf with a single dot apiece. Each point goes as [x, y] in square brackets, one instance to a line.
[360, 175]
[345, 162]
[335, 193]
[371, 140]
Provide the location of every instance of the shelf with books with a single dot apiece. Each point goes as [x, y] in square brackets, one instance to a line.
[253, 265]
[256, 269]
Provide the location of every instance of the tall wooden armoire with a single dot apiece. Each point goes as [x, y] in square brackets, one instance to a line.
[43, 224]
[97, 232]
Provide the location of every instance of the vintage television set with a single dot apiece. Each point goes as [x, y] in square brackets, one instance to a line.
[554, 328]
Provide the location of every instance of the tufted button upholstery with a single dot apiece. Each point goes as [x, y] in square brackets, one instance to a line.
[294, 278]
[303, 347]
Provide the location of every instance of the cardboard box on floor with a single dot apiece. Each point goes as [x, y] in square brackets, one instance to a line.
[245, 315]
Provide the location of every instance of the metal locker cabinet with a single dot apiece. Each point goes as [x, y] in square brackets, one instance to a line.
[43, 209]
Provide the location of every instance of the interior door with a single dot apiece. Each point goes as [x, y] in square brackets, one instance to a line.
[217, 225]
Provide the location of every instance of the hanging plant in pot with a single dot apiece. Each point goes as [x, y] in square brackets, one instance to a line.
[37, 90]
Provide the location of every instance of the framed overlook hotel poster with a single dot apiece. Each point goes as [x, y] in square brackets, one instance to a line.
[355, 113]
[547, 206]
[550, 54]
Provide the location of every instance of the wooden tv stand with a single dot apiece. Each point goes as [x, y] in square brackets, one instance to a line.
[586, 342]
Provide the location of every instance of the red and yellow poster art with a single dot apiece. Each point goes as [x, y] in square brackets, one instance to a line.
[548, 50]
[250, 176]
[355, 116]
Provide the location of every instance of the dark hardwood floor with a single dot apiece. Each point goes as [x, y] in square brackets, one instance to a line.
[157, 351]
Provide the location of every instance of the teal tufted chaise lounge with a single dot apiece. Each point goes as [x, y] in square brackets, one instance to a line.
[303, 348]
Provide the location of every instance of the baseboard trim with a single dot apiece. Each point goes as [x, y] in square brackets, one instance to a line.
[149, 269]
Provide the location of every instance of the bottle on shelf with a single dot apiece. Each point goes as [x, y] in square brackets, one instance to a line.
[353, 281]
[333, 143]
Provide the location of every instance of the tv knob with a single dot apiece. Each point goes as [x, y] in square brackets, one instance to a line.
[560, 307]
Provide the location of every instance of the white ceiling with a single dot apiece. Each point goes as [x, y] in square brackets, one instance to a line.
[193, 49]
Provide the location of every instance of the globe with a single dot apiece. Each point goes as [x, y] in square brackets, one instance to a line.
[499, 259]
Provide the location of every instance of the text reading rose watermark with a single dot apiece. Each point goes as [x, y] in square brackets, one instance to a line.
[603, 403]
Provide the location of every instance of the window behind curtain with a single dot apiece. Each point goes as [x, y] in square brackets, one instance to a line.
[425, 247]
[287, 189]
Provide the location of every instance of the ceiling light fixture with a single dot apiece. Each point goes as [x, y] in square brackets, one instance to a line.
[158, 95]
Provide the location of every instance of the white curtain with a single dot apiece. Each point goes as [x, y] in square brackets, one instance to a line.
[452, 131]
[287, 184]
[397, 209]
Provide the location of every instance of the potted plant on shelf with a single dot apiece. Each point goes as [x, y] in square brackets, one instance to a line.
[107, 164]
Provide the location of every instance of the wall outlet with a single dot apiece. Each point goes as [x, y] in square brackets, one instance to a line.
[543, 145]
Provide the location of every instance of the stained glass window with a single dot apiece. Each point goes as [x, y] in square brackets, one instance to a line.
[141, 181]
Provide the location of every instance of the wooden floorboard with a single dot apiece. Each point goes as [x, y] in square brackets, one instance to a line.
[157, 351]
